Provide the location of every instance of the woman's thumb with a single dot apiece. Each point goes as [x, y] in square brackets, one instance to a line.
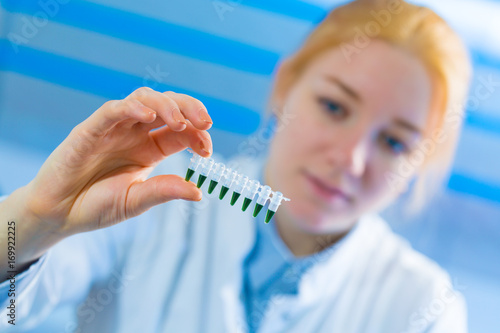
[156, 190]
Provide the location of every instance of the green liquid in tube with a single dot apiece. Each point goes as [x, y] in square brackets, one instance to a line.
[201, 180]
[189, 174]
[212, 186]
[246, 203]
[269, 215]
[256, 211]
[223, 192]
[235, 198]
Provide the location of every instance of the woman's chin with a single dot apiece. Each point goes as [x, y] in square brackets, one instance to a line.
[317, 221]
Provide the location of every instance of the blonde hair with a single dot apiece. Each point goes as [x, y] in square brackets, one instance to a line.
[423, 34]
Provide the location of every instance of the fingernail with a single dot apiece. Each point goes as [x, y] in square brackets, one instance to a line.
[205, 146]
[205, 117]
[178, 117]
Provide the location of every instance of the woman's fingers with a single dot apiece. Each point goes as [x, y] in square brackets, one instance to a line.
[175, 109]
[168, 110]
[151, 107]
[86, 136]
[154, 191]
[171, 142]
[186, 120]
[193, 109]
[113, 112]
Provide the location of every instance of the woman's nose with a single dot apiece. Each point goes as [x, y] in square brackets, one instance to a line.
[350, 154]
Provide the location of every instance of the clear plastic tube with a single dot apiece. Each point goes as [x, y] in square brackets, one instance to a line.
[249, 192]
[276, 200]
[215, 176]
[196, 161]
[207, 165]
[239, 184]
[264, 194]
[228, 177]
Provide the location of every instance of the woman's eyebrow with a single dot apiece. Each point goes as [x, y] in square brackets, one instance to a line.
[348, 90]
[408, 126]
[351, 92]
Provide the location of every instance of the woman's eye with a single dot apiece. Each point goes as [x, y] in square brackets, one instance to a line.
[332, 107]
[395, 145]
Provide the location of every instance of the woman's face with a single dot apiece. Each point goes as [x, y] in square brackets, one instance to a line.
[347, 125]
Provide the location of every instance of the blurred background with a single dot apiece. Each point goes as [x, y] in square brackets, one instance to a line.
[61, 59]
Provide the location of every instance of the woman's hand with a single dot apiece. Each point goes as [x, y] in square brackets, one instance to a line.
[97, 176]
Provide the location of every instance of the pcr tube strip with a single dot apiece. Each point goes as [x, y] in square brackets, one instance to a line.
[241, 185]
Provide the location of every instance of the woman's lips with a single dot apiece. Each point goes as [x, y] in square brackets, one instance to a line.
[321, 189]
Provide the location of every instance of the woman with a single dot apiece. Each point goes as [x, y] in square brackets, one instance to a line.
[370, 103]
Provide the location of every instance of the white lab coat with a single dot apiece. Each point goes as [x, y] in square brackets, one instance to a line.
[178, 268]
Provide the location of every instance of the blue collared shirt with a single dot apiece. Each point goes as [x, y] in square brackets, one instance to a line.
[271, 269]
